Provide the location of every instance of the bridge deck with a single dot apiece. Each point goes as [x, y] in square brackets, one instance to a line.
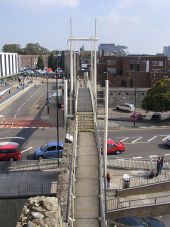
[87, 175]
[87, 182]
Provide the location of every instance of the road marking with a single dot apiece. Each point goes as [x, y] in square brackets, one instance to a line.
[137, 139]
[124, 139]
[151, 139]
[137, 157]
[167, 154]
[15, 137]
[26, 149]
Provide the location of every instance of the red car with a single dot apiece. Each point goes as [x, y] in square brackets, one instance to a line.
[115, 147]
[9, 151]
[136, 116]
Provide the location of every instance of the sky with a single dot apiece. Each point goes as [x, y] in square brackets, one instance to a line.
[141, 25]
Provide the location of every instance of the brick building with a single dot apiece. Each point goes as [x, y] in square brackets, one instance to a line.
[132, 70]
[30, 61]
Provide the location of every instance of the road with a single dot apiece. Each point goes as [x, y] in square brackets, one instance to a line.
[23, 123]
[147, 143]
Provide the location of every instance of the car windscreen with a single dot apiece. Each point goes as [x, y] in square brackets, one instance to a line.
[44, 147]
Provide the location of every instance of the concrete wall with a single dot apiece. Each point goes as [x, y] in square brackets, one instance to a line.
[123, 95]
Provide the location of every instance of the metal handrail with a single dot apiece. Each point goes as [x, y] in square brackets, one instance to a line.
[102, 193]
[116, 203]
[71, 214]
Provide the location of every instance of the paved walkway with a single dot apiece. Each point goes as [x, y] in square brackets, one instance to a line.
[87, 175]
[87, 183]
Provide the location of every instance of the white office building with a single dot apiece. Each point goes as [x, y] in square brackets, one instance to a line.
[8, 64]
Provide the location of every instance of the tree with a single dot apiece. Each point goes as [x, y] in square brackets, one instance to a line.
[158, 97]
[35, 49]
[12, 48]
[40, 63]
[52, 62]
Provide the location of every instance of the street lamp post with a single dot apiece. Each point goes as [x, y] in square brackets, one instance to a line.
[137, 68]
[48, 109]
[134, 123]
[57, 120]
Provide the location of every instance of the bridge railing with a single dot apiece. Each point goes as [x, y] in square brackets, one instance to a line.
[118, 203]
[70, 217]
[136, 181]
[101, 185]
[93, 97]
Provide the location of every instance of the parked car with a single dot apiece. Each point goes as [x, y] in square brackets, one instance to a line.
[51, 149]
[127, 107]
[136, 116]
[9, 151]
[115, 147]
[138, 221]
[156, 117]
[167, 141]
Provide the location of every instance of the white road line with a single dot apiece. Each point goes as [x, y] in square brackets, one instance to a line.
[124, 139]
[151, 139]
[137, 139]
[167, 154]
[26, 149]
[14, 137]
[137, 157]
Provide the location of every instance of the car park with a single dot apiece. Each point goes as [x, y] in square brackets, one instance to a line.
[51, 149]
[115, 147]
[9, 151]
[127, 107]
[136, 116]
[139, 221]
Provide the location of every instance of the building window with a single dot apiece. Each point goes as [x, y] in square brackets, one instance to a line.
[157, 63]
[111, 62]
[111, 70]
[131, 66]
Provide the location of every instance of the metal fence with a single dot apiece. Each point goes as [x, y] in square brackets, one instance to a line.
[14, 166]
[27, 190]
[70, 218]
[143, 181]
[120, 203]
[133, 164]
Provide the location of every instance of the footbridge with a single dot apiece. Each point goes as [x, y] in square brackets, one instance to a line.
[88, 206]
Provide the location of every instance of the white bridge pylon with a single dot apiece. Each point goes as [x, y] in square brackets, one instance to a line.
[93, 68]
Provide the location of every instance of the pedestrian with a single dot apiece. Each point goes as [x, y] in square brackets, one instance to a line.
[162, 160]
[158, 166]
[109, 179]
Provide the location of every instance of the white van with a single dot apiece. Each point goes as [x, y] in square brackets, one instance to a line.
[126, 107]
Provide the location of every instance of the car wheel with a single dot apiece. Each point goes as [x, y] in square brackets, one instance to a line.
[117, 108]
[11, 159]
[118, 152]
[40, 157]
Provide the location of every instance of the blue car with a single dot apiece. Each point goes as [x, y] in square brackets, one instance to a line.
[139, 221]
[50, 150]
